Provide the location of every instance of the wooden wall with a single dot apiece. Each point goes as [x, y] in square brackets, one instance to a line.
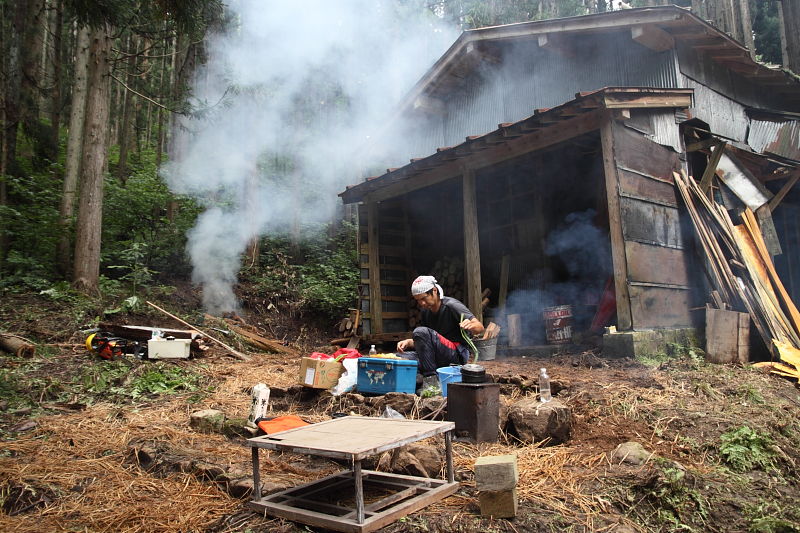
[652, 260]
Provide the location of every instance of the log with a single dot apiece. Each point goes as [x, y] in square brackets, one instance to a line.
[484, 303]
[514, 330]
[16, 345]
[262, 342]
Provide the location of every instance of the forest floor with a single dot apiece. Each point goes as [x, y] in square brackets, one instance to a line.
[93, 445]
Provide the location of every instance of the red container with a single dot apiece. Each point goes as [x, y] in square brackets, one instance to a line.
[558, 324]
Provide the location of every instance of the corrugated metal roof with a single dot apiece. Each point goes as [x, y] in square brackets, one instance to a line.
[541, 120]
[775, 134]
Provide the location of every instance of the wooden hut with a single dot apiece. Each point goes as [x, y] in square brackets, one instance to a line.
[519, 131]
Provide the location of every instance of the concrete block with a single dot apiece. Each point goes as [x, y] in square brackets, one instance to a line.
[496, 472]
[647, 342]
[207, 420]
[499, 504]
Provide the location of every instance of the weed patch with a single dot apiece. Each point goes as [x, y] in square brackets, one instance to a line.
[744, 449]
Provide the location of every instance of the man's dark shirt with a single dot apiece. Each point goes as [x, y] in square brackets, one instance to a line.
[446, 321]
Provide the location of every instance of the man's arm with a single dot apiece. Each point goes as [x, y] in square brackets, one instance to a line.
[405, 344]
[473, 325]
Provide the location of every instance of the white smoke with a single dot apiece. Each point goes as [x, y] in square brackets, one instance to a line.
[289, 94]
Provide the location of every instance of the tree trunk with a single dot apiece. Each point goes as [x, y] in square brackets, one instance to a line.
[746, 22]
[30, 61]
[18, 13]
[789, 13]
[127, 108]
[55, 94]
[95, 151]
[74, 152]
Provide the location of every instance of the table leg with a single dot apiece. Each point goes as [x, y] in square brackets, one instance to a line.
[256, 475]
[448, 445]
[359, 491]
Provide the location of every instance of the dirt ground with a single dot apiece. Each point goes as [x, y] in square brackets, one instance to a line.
[93, 445]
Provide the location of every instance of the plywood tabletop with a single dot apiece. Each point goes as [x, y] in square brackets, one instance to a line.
[351, 437]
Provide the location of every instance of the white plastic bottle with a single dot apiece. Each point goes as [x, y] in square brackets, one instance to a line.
[544, 386]
[372, 350]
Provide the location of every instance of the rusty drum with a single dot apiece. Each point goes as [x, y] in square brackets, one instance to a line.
[558, 324]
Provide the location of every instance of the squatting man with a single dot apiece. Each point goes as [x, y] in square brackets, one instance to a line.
[438, 342]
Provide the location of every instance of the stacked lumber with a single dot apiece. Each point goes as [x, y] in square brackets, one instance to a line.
[740, 267]
[449, 271]
[349, 329]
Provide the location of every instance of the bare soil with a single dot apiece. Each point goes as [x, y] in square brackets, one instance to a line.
[81, 452]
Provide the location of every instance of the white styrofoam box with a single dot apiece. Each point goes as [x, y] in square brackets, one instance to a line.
[168, 349]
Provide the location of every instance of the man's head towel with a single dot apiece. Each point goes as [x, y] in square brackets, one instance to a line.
[423, 284]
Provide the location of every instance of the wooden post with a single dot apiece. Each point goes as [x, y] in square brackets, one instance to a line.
[472, 250]
[375, 306]
[504, 265]
[359, 491]
[256, 474]
[448, 450]
[514, 330]
[615, 228]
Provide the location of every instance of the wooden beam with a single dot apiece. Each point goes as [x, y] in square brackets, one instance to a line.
[783, 192]
[472, 248]
[430, 105]
[704, 144]
[652, 37]
[556, 43]
[711, 168]
[375, 307]
[564, 131]
[615, 227]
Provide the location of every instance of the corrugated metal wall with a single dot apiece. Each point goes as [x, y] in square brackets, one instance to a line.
[724, 116]
[531, 77]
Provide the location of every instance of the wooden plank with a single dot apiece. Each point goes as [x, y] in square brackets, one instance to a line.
[374, 268]
[768, 231]
[646, 222]
[505, 264]
[637, 186]
[607, 134]
[634, 151]
[657, 264]
[743, 348]
[658, 307]
[722, 336]
[472, 249]
[778, 198]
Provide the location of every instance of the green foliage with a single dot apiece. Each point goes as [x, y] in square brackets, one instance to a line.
[163, 379]
[745, 449]
[328, 281]
[772, 517]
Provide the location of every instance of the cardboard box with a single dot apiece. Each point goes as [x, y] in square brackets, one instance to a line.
[319, 374]
[168, 349]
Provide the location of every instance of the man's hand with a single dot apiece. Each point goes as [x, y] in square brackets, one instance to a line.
[473, 325]
[404, 345]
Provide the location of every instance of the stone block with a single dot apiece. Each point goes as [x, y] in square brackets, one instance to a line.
[207, 420]
[496, 472]
[499, 504]
[533, 421]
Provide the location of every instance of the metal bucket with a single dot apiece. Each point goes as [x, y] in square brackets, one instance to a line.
[487, 348]
[558, 324]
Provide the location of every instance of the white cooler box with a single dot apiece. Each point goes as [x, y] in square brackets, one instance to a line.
[168, 349]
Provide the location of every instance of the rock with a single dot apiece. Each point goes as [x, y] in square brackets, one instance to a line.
[533, 421]
[430, 457]
[25, 425]
[207, 420]
[277, 392]
[428, 406]
[413, 460]
[401, 402]
[240, 488]
[354, 398]
[631, 452]
[209, 471]
[236, 427]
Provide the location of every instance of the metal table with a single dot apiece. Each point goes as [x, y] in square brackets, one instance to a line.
[353, 439]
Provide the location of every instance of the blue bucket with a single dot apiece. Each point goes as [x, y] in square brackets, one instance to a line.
[448, 374]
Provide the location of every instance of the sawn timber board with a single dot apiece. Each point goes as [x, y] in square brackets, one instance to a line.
[351, 437]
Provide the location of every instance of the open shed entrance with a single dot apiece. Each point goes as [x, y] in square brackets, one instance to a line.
[543, 234]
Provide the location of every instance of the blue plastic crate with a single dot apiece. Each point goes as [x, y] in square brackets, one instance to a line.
[377, 375]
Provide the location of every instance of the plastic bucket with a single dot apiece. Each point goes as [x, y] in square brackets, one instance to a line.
[448, 374]
[558, 324]
[487, 348]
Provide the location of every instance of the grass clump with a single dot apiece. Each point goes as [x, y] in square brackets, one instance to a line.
[744, 449]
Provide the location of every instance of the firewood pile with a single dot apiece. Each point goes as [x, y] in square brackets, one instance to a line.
[740, 267]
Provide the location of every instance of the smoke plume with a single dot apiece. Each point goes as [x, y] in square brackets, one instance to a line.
[286, 98]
